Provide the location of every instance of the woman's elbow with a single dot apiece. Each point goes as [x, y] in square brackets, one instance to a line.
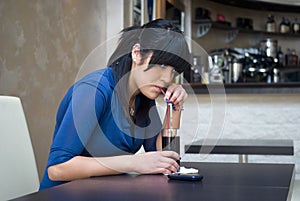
[54, 173]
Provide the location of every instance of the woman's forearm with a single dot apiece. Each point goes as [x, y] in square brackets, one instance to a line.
[83, 167]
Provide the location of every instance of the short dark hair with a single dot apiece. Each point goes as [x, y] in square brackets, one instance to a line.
[159, 36]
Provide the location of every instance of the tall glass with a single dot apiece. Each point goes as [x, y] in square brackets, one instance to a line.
[170, 137]
[170, 140]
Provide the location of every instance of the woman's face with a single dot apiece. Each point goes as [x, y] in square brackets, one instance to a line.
[151, 81]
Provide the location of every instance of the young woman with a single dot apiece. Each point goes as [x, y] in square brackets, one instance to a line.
[108, 115]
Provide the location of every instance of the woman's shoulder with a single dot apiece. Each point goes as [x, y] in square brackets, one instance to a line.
[99, 78]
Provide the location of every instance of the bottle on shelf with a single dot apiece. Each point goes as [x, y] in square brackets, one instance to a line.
[196, 70]
[291, 58]
[296, 26]
[294, 58]
[280, 57]
[276, 75]
[270, 24]
[284, 26]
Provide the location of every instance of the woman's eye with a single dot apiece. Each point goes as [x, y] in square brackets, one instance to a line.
[173, 71]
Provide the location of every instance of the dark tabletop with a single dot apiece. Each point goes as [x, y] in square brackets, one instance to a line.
[221, 182]
[242, 146]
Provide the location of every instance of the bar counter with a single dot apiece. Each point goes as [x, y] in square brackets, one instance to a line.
[245, 88]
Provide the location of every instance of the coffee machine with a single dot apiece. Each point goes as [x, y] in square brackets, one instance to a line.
[235, 65]
[226, 65]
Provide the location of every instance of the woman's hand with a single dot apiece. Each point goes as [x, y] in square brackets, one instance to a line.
[156, 162]
[176, 94]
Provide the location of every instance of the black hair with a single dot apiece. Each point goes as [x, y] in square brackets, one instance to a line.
[167, 43]
[160, 37]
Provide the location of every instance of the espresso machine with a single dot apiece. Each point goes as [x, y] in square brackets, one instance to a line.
[235, 65]
[227, 66]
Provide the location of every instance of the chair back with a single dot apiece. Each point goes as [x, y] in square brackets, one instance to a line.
[18, 171]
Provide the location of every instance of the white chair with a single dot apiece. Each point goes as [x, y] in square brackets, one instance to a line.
[18, 171]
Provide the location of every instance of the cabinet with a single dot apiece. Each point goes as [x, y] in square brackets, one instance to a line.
[211, 34]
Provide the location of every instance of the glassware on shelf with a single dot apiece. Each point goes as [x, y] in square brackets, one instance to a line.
[271, 24]
[296, 26]
[284, 26]
[280, 57]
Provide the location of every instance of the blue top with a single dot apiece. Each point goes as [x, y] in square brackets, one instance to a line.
[91, 122]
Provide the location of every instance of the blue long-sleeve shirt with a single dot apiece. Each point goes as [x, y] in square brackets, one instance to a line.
[91, 122]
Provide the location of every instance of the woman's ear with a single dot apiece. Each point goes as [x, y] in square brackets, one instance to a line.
[136, 53]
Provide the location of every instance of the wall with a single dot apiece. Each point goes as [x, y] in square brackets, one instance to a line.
[43, 44]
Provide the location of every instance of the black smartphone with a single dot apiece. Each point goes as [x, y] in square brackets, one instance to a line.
[185, 177]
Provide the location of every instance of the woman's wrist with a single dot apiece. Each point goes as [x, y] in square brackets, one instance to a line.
[178, 108]
[130, 165]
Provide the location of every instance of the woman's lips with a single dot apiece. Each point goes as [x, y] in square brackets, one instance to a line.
[160, 89]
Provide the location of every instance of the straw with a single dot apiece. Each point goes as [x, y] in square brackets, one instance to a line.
[169, 113]
[171, 118]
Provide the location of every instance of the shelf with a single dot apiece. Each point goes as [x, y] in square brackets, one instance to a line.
[289, 68]
[245, 88]
[236, 30]
[268, 33]
[204, 27]
[216, 25]
[222, 26]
